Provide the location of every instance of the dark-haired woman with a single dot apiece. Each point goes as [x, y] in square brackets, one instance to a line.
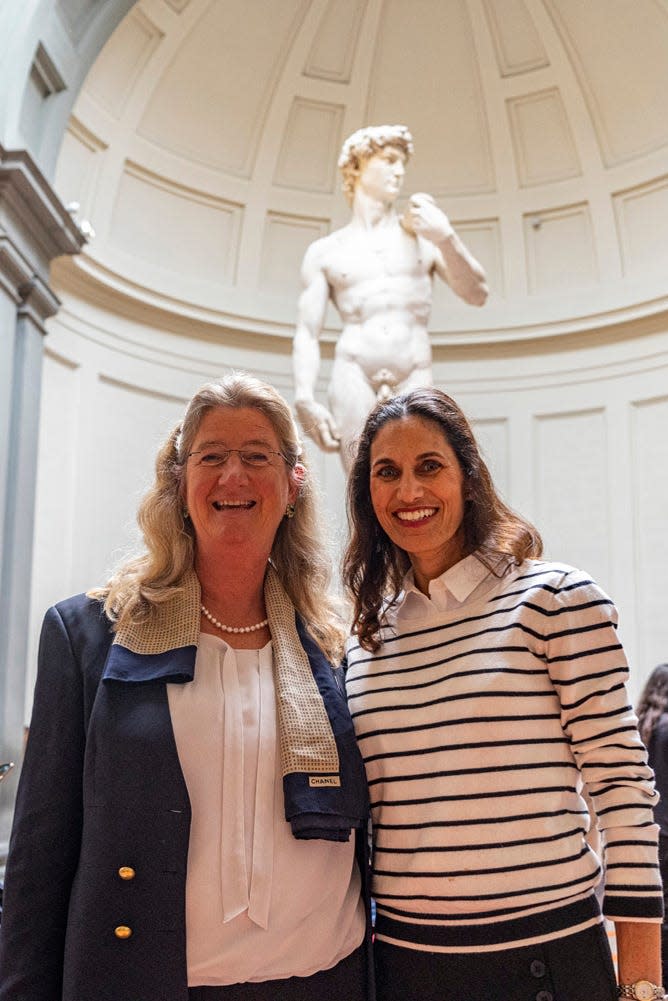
[653, 727]
[487, 692]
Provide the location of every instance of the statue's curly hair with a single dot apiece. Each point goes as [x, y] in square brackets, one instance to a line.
[364, 143]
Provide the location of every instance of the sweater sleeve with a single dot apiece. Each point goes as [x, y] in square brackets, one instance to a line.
[588, 668]
[46, 834]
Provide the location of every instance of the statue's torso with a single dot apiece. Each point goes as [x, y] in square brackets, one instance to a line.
[381, 284]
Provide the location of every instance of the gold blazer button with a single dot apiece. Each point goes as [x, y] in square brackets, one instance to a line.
[122, 931]
[126, 872]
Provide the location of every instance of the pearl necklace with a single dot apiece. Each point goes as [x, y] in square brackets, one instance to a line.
[233, 629]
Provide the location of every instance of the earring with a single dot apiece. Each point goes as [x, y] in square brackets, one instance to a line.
[186, 514]
[290, 511]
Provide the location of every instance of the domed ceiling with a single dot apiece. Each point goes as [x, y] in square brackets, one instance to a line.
[203, 149]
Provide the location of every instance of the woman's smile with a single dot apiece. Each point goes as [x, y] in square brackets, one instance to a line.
[416, 516]
[233, 505]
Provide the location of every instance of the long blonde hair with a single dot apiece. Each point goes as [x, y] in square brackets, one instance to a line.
[298, 552]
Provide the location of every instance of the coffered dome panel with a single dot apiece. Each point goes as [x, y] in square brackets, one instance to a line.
[211, 101]
[517, 43]
[333, 50]
[203, 151]
[618, 50]
[440, 97]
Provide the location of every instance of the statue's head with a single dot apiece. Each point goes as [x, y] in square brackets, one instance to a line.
[366, 143]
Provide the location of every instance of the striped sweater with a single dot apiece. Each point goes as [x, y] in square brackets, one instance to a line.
[479, 727]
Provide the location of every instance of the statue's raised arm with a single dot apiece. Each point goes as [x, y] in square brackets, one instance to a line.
[458, 266]
[378, 271]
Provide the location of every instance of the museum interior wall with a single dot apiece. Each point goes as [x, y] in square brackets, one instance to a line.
[199, 160]
[46, 49]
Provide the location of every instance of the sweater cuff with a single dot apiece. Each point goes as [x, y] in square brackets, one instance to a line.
[622, 908]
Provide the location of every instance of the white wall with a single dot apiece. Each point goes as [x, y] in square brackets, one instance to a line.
[577, 439]
[574, 429]
[542, 133]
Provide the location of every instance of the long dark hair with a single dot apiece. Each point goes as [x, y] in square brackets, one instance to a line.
[373, 567]
[653, 702]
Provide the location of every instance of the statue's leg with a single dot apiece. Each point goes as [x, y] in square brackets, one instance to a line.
[351, 397]
[419, 377]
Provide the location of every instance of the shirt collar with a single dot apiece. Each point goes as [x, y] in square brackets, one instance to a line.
[460, 580]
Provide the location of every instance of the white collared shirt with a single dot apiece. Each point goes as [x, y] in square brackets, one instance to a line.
[254, 893]
[450, 590]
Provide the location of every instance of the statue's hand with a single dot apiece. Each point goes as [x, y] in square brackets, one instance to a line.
[424, 217]
[319, 424]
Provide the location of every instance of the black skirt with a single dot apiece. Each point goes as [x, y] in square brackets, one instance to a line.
[577, 967]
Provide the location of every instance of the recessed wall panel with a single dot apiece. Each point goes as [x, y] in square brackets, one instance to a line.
[133, 422]
[56, 496]
[649, 441]
[57, 478]
[310, 148]
[618, 51]
[571, 485]
[542, 139]
[285, 242]
[116, 70]
[213, 116]
[560, 249]
[642, 220]
[483, 239]
[78, 165]
[333, 49]
[517, 43]
[182, 230]
[492, 438]
[425, 75]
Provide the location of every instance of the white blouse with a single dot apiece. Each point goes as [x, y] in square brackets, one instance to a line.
[260, 904]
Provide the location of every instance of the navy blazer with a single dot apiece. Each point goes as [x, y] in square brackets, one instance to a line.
[102, 798]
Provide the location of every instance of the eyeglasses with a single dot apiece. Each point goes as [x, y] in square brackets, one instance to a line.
[214, 458]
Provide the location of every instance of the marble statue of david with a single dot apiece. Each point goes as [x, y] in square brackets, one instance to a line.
[378, 271]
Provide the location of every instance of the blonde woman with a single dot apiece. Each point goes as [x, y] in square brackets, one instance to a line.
[190, 824]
